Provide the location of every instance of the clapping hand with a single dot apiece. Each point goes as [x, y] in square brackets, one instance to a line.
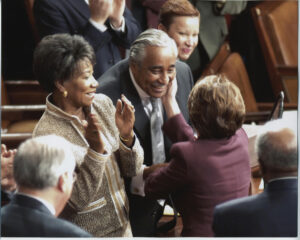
[116, 16]
[100, 10]
[125, 120]
[7, 179]
[93, 133]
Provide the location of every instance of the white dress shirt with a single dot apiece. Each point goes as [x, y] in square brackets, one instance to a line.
[137, 182]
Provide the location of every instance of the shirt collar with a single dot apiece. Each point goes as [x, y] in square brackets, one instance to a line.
[143, 95]
[48, 205]
[281, 178]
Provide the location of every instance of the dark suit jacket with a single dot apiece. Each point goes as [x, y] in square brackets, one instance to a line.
[72, 16]
[27, 217]
[117, 81]
[201, 174]
[272, 213]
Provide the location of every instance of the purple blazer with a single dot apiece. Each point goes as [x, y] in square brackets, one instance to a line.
[201, 174]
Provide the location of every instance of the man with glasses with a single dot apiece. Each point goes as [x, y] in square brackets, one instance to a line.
[43, 170]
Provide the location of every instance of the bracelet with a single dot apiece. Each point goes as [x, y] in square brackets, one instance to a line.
[125, 139]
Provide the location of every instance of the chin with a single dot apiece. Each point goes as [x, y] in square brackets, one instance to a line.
[158, 95]
[184, 57]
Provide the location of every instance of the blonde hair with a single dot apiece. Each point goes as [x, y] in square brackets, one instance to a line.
[216, 107]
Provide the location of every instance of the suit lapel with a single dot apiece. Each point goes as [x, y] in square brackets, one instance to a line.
[81, 7]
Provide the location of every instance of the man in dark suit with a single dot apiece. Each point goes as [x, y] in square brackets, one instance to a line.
[44, 173]
[146, 74]
[272, 213]
[106, 25]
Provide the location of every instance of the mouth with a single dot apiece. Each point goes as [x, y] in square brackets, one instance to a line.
[91, 94]
[158, 88]
[186, 50]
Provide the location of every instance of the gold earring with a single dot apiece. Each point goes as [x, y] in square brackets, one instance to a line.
[65, 93]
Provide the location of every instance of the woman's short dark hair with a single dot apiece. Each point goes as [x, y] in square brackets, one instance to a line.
[176, 8]
[57, 58]
[216, 107]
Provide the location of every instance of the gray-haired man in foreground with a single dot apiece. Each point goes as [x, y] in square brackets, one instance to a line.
[44, 173]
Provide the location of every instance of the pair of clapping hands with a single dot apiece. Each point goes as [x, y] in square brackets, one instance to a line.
[101, 10]
[124, 119]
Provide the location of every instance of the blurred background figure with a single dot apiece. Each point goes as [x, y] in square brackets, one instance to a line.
[208, 169]
[146, 12]
[8, 184]
[181, 20]
[213, 30]
[104, 144]
[272, 213]
[44, 173]
[107, 25]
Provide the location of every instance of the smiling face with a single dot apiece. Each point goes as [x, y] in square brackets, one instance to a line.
[184, 30]
[155, 70]
[81, 88]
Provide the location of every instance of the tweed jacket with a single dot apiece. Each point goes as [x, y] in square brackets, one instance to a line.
[98, 202]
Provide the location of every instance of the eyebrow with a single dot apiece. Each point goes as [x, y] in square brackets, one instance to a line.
[155, 67]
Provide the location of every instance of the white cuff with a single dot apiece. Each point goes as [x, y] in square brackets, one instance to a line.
[138, 183]
[119, 29]
[100, 27]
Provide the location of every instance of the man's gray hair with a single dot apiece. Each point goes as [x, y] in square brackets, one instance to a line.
[276, 144]
[40, 161]
[150, 37]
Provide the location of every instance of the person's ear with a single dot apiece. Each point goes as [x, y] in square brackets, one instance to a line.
[59, 85]
[162, 27]
[262, 167]
[134, 68]
[62, 183]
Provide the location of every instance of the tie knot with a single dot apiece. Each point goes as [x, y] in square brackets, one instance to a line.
[154, 103]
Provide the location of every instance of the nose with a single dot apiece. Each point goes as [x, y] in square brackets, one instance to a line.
[189, 41]
[94, 83]
[165, 77]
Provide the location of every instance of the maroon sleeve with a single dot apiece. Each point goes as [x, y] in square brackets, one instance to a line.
[171, 178]
[177, 129]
